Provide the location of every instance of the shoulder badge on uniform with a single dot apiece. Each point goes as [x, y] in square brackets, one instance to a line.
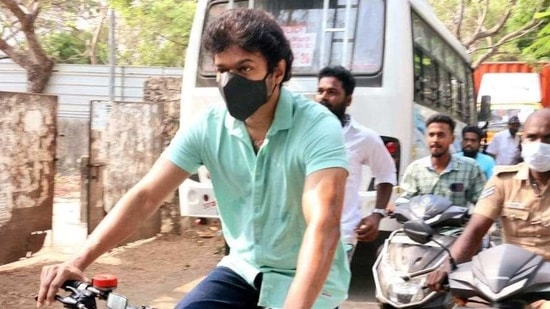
[500, 169]
[487, 192]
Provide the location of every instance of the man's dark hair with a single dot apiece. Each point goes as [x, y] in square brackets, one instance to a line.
[342, 74]
[442, 118]
[473, 129]
[253, 30]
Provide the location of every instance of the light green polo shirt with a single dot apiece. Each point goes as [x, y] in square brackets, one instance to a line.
[259, 195]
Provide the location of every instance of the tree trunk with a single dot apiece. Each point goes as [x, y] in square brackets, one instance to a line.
[38, 76]
[33, 59]
[97, 32]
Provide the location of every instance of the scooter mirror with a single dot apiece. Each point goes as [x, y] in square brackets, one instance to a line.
[401, 201]
[418, 231]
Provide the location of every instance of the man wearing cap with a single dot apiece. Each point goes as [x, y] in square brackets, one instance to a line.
[504, 146]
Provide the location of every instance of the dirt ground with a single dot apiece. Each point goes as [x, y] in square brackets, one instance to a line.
[151, 272]
[156, 272]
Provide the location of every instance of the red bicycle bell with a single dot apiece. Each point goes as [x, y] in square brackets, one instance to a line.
[105, 281]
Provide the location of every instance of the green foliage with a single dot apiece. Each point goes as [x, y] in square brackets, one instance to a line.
[534, 46]
[65, 29]
[539, 49]
[155, 32]
[529, 46]
[72, 47]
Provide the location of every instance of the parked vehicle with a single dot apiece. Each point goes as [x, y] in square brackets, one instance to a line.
[83, 295]
[406, 63]
[401, 269]
[504, 276]
[513, 89]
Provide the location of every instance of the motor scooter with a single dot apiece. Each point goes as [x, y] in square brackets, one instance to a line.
[82, 295]
[401, 268]
[504, 276]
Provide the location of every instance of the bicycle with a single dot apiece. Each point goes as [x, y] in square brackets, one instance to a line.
[83, 295]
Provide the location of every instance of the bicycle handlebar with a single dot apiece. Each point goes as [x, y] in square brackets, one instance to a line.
[83, 295]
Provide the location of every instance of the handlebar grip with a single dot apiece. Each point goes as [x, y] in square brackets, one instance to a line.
[66, 301]
[63, 300]
[67, 285]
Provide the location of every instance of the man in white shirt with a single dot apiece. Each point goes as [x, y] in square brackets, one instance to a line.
[364, 147]
[504, 146]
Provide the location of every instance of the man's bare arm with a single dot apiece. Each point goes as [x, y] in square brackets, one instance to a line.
[469, 242]
[464, 248]
[135, 206]
[140, 202]
[383, 195]
[367, 229]
[322, 204]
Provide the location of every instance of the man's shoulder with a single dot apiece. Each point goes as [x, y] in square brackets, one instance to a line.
[359, 126]
[507, 170]
[298, 100]
[486, 159]
[303, 114]
[304, 107]
[464, 160]
[501, 134]
[419, 163]
[362, 131]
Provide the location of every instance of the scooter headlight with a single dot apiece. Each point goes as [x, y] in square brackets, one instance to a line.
[386, 275]
[407, 292]
[398, 290]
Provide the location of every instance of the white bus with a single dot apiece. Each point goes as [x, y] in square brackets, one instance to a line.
[406, 63]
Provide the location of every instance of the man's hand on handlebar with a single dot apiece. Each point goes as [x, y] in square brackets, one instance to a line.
[51, 280]
[436, 279]
[367, 229]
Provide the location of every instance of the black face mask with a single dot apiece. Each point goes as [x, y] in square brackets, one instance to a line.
[242, 96]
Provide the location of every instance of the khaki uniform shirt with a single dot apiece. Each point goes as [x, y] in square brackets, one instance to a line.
[523, 209]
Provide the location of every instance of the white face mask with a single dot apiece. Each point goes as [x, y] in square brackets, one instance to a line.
[536, 155]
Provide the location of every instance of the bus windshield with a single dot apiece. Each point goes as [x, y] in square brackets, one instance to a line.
[318, 36]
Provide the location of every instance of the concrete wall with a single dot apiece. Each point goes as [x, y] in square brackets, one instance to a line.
[166, 92]
[76, 85]
[126, 140]
[27, 170]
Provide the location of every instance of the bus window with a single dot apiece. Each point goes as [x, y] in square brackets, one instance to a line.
[441, 80]
[445, 90]
[314, 46]
[206, 64]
